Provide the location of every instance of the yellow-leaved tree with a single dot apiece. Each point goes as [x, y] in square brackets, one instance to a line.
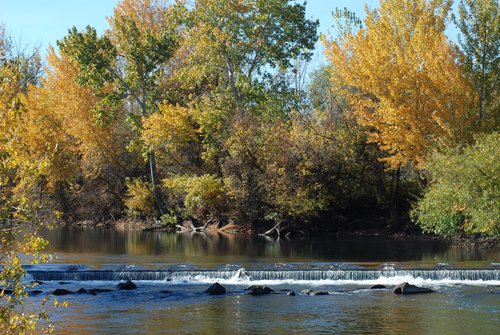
[402, 80]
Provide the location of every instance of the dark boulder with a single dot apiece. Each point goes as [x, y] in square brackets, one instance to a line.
[314, 292]
[94, 291]
[377, 287]
[216, 289]
[405, 288]
[128, 285]
[61, 291]
[291, 293]
[259, 290]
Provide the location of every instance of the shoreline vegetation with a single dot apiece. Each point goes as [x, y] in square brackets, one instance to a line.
[199, 112]
[198, 115]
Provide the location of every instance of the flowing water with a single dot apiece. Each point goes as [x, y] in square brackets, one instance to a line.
[173, 270]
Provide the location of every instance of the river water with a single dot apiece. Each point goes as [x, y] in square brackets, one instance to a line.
[466, 281]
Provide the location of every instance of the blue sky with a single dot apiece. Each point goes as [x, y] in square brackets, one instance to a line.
[42, 22]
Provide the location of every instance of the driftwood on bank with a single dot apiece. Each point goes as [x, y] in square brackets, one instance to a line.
[189, 226]
[276, 228]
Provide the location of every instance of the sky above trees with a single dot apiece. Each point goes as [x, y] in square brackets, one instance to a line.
[42, 22]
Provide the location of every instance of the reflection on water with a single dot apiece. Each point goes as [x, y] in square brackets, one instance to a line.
[105, 246]
[351, 309]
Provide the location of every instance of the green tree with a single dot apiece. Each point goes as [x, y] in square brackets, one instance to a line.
[132, 55]
[464, 193]
[479, 25]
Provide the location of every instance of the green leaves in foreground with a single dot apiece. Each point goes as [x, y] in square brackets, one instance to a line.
[464, 195]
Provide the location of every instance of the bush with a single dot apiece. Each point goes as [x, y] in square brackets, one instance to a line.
[140, 198]
[202, 196]
[464, 194]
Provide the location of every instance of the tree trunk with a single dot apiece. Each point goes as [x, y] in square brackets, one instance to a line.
[160, 204]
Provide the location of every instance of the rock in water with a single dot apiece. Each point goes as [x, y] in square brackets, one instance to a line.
[377, 287]
[128, 285]
[259, 290]
[291, 293]
[216, 289]
[405, 288]
[314, 292]
[61, 291]
[94, 291]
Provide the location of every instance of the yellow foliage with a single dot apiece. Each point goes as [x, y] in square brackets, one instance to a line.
[402, 80]
[140, 198]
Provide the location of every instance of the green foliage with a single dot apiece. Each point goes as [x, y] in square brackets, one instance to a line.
[202, 196]
[464, 194]
[479, 39]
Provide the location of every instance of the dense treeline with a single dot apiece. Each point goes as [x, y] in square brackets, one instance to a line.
[203, 110]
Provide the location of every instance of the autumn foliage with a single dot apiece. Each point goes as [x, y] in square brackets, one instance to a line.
[201, 110]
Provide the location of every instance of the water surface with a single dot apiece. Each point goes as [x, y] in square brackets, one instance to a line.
[186, 265]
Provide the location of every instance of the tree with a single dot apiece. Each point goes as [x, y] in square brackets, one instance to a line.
[464, 193]
[479, 22]
[401, 79]
[18, 70]
[240, 44]
[132, 55]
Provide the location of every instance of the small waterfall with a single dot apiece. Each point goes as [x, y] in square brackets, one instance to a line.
[276, 274]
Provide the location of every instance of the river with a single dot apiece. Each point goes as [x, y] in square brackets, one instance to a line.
[173, 270]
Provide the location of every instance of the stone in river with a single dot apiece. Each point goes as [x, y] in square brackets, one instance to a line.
[259, 290]
[165, 292]
[291, 293]
[377, 287]
[94, 291]
[61, 291]
[128, 285]
[216, 289]
[405, 288]
[314, 292]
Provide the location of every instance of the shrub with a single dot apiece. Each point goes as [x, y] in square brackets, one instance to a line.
[140, 198]
[202, 196]
[464, 194]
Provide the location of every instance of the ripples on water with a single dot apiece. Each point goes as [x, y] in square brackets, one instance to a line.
[466, 301]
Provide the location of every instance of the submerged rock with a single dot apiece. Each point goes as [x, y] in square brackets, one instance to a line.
[62, 291]
[216, 289]
[165, 292]
[35, 292]
[94, 291]
[405, 288]
[314, 292]
[82, 290]
[377, 287]
[259, 290]
[128, 285]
